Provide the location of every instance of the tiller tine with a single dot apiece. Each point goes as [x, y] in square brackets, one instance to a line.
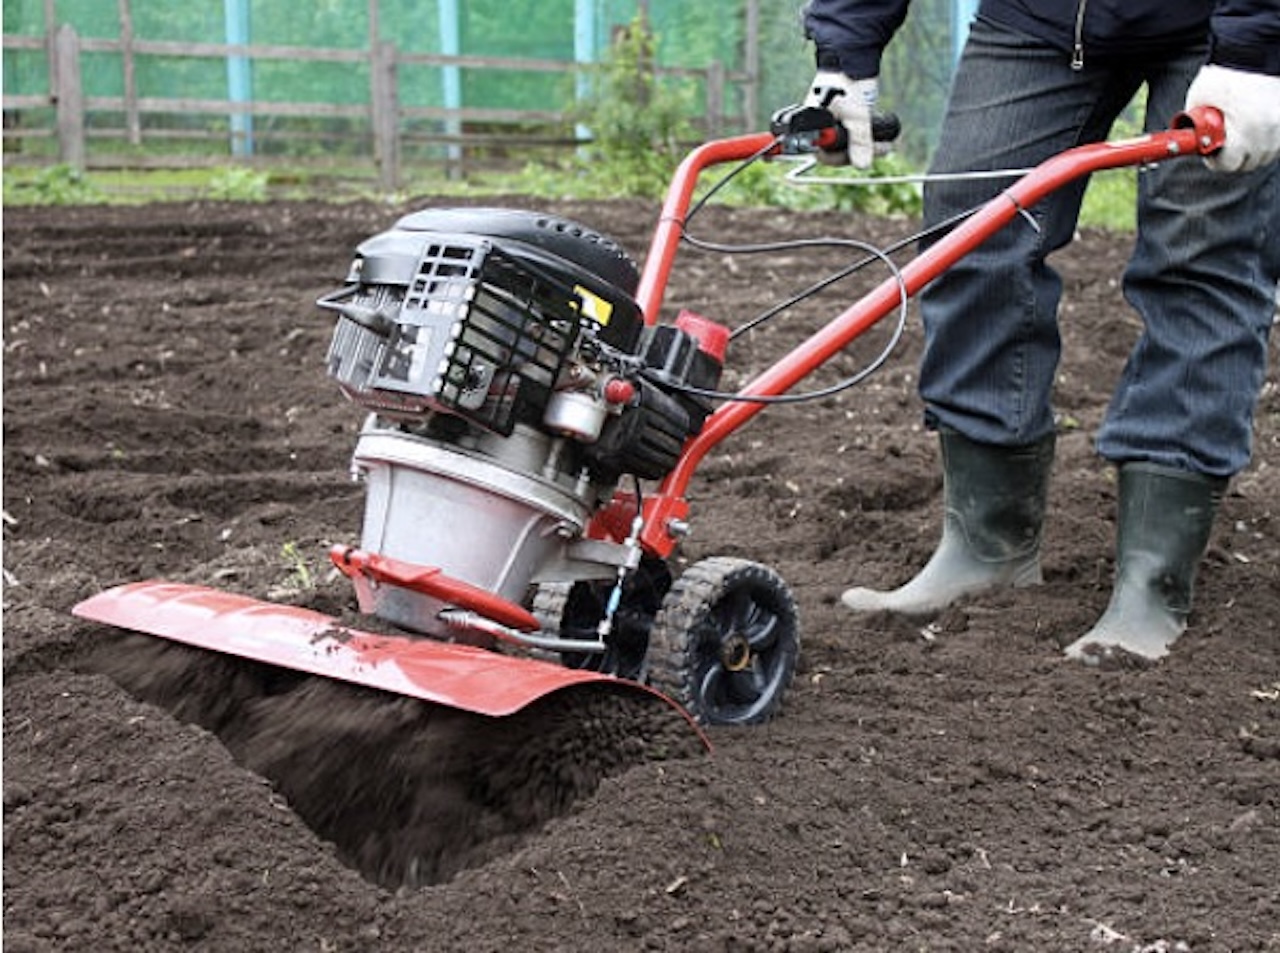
[459, 676]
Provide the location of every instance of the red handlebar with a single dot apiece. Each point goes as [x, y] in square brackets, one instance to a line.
[1197, 132]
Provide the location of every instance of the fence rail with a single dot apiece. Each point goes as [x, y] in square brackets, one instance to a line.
[381, 127]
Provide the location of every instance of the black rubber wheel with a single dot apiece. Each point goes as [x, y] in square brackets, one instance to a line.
[725, 642]
[574, 611]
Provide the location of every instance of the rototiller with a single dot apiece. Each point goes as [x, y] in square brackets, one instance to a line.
[520, 387]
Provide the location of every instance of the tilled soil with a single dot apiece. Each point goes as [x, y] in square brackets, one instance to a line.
[950, 786]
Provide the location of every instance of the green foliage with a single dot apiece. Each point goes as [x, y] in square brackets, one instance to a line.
[892, 199]
[300, 576]
[638, 124]
[238, 184]
[62, 185]
[54, 185]
[1111, 201]
[766, 184]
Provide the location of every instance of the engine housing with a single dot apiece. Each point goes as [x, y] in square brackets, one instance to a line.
[511, 381]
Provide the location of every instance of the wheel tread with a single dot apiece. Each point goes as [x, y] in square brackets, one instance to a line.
[672, 663]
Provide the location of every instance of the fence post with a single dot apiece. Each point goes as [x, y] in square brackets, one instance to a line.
[715, 99]
[239, 76]
[451, 85]
[69, 98]
[385, 113]
[132, 120]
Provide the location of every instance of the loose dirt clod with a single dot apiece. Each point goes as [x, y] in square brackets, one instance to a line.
[409, 792]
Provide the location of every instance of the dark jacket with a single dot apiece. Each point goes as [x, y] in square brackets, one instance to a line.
[851, 34]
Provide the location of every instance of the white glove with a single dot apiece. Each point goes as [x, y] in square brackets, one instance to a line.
[851, 101]
[1250, 105]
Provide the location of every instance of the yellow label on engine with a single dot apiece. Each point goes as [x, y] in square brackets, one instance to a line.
[594, 306]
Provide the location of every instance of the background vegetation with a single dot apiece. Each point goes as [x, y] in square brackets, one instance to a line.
[641, 124]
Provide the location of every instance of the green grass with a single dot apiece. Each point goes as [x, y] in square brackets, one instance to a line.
[1109, 201]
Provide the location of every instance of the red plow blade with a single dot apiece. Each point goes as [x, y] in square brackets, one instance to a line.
[460, 676]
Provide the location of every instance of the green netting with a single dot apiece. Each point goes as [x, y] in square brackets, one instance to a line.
[26, 72]
[536, 29]
[917, 68]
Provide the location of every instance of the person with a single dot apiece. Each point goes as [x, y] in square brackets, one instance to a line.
[1035, 78]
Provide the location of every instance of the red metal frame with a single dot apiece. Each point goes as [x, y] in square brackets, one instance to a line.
[1199, 132]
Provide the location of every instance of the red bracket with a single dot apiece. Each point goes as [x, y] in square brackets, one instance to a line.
[359, 566]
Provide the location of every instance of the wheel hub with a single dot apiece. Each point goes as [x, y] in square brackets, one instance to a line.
[735, 652]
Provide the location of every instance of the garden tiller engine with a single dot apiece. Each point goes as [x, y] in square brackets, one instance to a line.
[532, 427]
[512, 383]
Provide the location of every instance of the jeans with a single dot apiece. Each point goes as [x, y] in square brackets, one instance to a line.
[1202, 275]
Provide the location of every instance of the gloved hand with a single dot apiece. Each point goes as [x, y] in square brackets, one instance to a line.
[851, 101]
[1250, 105]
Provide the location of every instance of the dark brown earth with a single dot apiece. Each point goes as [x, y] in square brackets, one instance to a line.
[956, 786]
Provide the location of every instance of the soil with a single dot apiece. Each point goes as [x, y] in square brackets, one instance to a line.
[945, 786]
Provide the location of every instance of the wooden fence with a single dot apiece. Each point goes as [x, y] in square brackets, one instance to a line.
[381, 128]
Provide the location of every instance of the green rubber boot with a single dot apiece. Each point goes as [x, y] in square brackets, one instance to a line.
[1161, 535]
[995, 504]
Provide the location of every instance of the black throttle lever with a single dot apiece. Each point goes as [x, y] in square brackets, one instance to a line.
[806, 129]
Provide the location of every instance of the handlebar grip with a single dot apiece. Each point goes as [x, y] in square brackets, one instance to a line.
[810, 128]
[885, 127]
